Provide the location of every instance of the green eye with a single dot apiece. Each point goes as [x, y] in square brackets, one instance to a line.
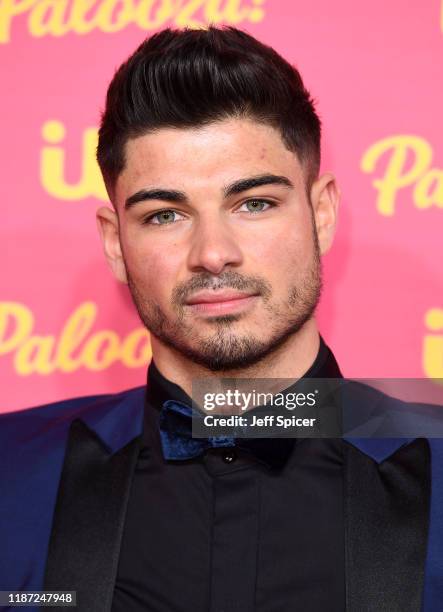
[164, 217]
[255, 206]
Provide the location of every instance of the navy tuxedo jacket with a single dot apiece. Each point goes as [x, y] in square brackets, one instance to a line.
[65, 475]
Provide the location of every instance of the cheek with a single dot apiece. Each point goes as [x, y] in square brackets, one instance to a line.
[153, 270]
[282, 248]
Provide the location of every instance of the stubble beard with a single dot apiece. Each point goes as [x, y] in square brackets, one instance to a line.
[226, 350]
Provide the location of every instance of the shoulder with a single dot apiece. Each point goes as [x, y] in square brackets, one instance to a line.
[71, 406]
[388, 410]
[49, 419]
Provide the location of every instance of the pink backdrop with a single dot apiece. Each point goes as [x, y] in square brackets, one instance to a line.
[67, 328]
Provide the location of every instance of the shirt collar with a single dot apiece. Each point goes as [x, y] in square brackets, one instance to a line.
[160, 389]
[275, 452]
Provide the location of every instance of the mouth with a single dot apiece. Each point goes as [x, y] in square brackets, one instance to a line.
[220, 302]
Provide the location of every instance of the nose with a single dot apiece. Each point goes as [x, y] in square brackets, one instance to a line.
[214, 246]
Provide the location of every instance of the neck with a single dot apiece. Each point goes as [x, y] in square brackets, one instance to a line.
[291, 360]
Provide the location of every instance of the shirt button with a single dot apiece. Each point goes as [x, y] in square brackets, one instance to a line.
[229, 456]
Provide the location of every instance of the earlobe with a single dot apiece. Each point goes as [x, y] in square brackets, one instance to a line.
[325, 197]
[108, 228]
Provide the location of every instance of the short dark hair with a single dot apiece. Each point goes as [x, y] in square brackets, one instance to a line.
[189, 78]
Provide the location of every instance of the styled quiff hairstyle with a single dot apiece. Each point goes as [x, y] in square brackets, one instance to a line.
[190, 78]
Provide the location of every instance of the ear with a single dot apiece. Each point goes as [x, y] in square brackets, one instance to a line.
[108, 226]
[325, 197]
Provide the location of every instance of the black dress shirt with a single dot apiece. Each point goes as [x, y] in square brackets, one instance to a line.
[226, 533]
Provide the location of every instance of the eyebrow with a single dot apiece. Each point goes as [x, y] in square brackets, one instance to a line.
[168, 195]
[256, 181]
[171, 195]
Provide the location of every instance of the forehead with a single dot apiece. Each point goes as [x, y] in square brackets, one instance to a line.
[205, 158]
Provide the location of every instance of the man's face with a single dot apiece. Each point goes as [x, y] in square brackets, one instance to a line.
[218, 241]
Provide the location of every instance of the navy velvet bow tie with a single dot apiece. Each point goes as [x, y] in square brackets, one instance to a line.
[178, 444]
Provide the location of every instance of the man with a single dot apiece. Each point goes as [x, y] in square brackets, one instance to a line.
[210, 151]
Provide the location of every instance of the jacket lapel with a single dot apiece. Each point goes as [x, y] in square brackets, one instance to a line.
[387, 500]
[89, 517]
[387, 504]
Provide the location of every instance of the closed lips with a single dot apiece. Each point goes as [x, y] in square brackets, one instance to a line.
[211, 297]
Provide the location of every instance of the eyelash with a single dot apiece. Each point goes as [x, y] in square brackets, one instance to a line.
[146, 220]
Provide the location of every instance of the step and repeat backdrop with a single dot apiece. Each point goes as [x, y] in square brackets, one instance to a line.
[376, 71]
